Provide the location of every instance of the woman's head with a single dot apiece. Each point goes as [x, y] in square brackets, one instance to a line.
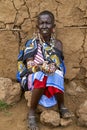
[46, 12]
[45, 23]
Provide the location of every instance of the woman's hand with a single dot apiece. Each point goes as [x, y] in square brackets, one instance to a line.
[32, 66]
[52, 67]
[45, 67]
[30, 63]
[48, 68]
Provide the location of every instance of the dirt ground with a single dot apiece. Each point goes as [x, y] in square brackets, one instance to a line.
[15, 118]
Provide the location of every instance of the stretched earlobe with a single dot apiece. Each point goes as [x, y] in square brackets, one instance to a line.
[53, 30]
[54, 25]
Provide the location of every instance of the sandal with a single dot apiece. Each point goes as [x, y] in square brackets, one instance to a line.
[64, 113]
[32, 123]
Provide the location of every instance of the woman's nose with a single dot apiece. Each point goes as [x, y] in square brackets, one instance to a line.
[44, 25]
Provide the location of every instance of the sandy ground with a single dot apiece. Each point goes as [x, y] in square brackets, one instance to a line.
[15, 118]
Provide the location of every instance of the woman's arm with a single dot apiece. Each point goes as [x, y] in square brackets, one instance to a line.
[59, 45]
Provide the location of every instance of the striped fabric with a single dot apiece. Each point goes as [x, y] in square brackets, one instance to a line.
[38, 59]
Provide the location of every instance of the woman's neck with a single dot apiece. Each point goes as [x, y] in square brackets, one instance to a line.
[47, 39]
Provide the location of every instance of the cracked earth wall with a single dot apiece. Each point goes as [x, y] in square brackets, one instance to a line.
[17, 23]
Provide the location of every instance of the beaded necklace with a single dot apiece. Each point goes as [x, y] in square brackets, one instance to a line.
[47, 49]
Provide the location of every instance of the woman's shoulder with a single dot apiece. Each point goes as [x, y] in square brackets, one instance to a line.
[58, 45]
[28, 42]
[59, 48]
[31, 43]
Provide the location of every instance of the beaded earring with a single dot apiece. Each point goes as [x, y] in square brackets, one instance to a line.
[52, 39]
[36, 35]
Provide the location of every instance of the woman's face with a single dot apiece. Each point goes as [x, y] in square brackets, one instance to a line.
[45, 25]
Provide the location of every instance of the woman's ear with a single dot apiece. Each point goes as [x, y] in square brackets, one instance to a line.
[54, 25]
[36, 26]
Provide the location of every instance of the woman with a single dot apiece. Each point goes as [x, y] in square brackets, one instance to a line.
[44, 69]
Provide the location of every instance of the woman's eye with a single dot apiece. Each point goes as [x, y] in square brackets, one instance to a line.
[45, 23]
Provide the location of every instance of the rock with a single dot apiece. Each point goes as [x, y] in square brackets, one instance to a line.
[84, 62]
[18, 3]
[2, 25]
[7, 9]
[82, 114]
[82, 73]
[85, 47]
[8, 54]
[22, 14]
[73, 54]
[50, 117]
[70, 30]
[27, 96]
[75, 88]
[86, 82]
[65, 122]
[9, 92]
[73, 13]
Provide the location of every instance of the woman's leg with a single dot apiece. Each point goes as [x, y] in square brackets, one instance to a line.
[36, 95]
[64, 112]
[60, 100]
[37, 92]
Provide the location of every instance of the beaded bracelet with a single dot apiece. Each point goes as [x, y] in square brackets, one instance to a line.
[35, 69]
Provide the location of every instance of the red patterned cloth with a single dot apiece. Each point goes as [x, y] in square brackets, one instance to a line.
[49, 91]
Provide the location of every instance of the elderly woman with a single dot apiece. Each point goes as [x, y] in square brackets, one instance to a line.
[43, 69]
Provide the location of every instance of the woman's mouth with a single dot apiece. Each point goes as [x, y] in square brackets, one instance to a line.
[44, 30]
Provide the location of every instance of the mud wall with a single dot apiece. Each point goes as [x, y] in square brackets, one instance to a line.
[17, 23]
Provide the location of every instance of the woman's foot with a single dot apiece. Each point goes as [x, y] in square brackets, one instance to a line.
[64, 113]
[32, 123]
